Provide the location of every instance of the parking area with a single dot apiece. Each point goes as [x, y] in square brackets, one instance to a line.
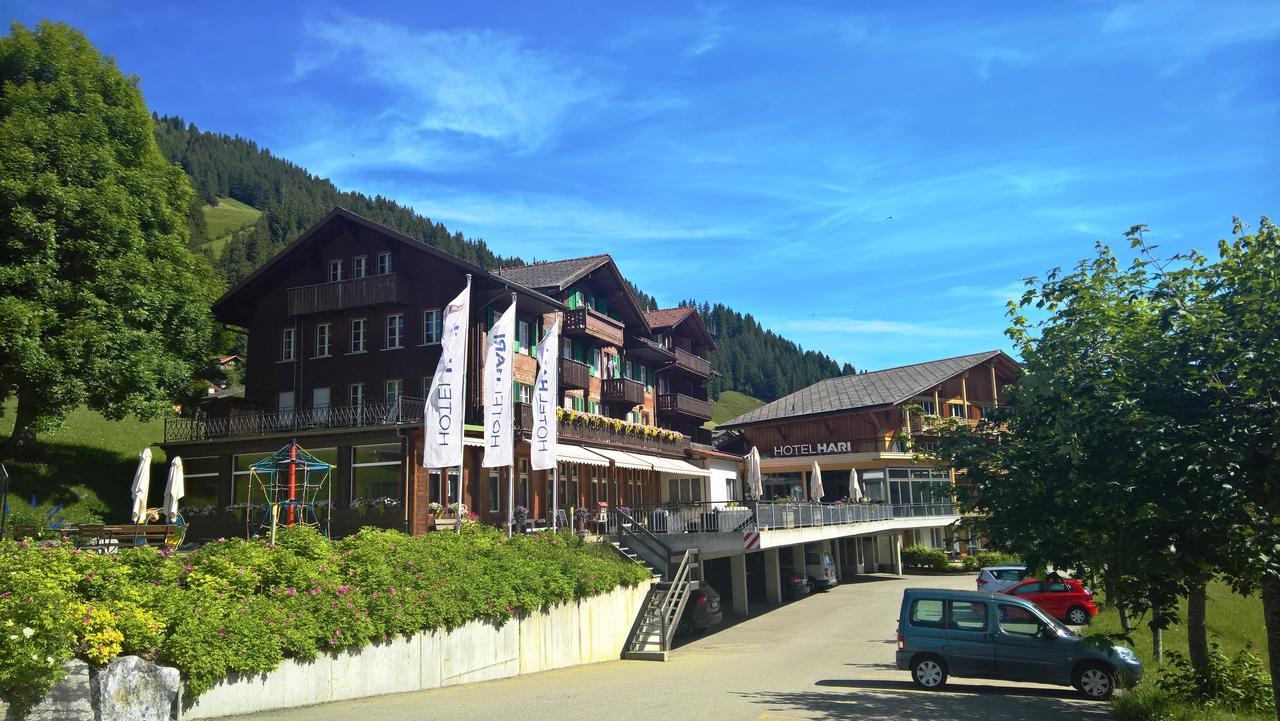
[828, 656]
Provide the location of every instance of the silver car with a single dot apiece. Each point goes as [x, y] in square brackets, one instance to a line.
[997, 578]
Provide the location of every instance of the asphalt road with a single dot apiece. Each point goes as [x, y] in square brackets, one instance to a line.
[829, 656]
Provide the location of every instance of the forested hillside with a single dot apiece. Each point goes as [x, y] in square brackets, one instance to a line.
[749, 358]
[759, 362]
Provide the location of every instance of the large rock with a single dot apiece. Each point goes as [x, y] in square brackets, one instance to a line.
[130, 689]
[68, 701]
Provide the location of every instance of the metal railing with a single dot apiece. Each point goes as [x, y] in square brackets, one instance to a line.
[719, 517]
[270, 422]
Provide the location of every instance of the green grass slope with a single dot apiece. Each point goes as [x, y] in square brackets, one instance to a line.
[732, 404]
[226, 218]
[88, 451]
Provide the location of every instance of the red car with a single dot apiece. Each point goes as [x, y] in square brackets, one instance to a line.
[1066, 600]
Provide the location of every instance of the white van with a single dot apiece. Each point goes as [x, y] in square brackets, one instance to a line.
[820, 569]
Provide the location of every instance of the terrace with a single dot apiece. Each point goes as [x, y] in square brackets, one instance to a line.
[397, 411]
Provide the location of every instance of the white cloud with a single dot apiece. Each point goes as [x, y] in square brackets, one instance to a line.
[476, 83]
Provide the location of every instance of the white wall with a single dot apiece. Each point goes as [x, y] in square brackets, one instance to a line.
[723, 474]
[585, 631]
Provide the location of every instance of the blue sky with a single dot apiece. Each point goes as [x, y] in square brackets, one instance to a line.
[870, 180]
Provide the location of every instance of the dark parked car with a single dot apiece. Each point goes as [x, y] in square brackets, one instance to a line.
[982, 635]
[794, 584]
[701, 611]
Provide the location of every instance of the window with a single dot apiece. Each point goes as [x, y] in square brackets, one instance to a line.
[927, 406]
[522, 491]
[288, 349]
[356, 394]
[394, 389]
[430, 326]
[1029, 589]
[320, 404]
[201, 478]
[1057, 587]
[284, 406]
[324, 339]
[926, 613]
[524, 393]
[436, 488]
[426, 386]
[384, 263]
[628, 370]
[684, 490]
[395, 331]
[359, 266]
[359, 334]
[375, 471]
[957, 410]
[644, 376]
[967, 616]
[522, 338]
[1018, 621]
[595, 361]
[495, 500]
[335, 270]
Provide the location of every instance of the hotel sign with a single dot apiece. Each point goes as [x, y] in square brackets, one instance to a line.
[812, 449]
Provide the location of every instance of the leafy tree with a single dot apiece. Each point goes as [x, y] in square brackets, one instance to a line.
[101, 303]
[1141, 440]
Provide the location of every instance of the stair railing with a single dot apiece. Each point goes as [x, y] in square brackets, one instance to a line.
[674, 602]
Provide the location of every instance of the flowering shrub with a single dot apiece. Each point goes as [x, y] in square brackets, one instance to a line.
[240, 606]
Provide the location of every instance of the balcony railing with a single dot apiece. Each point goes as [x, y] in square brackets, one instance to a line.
[622, 390]
[351, 293]
[574, 374]
[275, 422]
[692, 363]
[601, 431]
[684, 405]
[720, 517]
[593, 323]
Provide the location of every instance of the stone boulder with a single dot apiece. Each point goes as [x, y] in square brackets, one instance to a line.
[130, 689]
[67, 701]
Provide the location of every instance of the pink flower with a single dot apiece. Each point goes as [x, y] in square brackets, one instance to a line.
[343, 590]
[315, 591]
[291, 592]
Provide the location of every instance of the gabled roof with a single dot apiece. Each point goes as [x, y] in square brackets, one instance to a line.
[865, 390]
[667, 318]
[557, 274]
[672, 317]
[235, 304]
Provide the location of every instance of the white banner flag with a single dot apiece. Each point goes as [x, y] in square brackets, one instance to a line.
[442, 422]
[499, 358]
[542, 444]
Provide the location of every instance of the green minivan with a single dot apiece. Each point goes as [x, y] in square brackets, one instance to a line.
[971, 634]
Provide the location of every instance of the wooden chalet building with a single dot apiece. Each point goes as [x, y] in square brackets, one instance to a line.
[343, 330]
[857, 424]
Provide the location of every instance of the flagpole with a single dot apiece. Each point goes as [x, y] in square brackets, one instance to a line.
[466, 333]
[555, 500]
[511, 470]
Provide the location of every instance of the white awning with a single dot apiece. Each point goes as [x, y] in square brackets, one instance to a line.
[672, 465]
[577, 454]
[622, 459]
[472, 441]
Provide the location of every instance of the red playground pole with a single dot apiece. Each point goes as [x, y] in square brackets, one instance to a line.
[293, 479]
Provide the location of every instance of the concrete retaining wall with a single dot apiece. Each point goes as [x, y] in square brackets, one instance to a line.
[586, 631]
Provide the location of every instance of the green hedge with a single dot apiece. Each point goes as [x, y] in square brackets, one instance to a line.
[924, 557]
[986, 559]
[243, 606]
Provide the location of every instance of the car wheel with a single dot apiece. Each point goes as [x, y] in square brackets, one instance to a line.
[1095, 681]
[1078, 616]
[929, 672]
[684, 629]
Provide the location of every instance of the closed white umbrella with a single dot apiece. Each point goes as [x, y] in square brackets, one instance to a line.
[754, 480]
[141, 486]
[174, 489]
[855, 490]
[816, 491]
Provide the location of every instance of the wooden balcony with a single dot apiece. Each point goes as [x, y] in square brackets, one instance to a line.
[574, 374]
[622, 390]
[694, 364]
[593, 324]
[680, 404]
[371, 290]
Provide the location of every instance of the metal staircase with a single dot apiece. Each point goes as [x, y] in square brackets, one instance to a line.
[651, 637]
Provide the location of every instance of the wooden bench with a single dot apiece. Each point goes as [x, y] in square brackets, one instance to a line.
[128, 534]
